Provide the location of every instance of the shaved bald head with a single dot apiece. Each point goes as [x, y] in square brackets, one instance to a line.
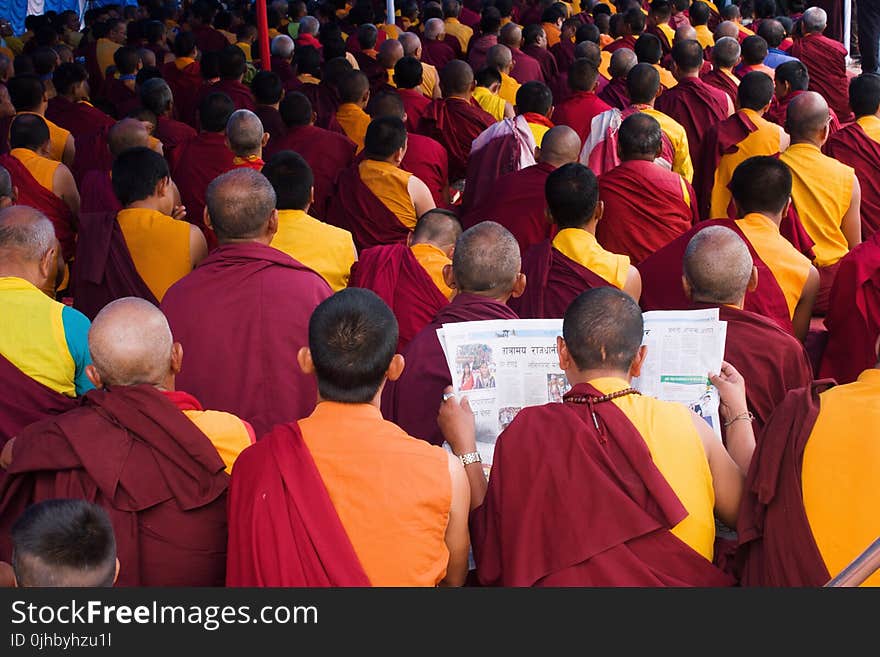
[685, 33]
[807, 118]
[717, 266]
[7, 191]
[499, 57]
[589, 51]
[622, 61]
[726, 52]
[410, 43]
[25, 236]
[511, 35]
[125, 134]
[726, 29]
[435, 28]
[457, 78]
[130, 342]
[814, 20]
[560, 145]
[390, 52]
[486, 260]
[603, 329]
[438, 227]
[244, 132]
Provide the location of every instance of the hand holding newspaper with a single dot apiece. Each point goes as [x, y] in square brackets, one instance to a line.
[502, 366]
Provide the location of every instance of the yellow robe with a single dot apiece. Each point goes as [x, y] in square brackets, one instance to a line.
[581, 246]
[681, 162]
[491, 103]
[57, 137]
[433, 260]
[390, 184]
[354, 121]
[104, 51]
[508, 89]
[460, 31]
[705, 36]
[41, 168]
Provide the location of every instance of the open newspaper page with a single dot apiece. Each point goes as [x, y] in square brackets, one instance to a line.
[683, 347]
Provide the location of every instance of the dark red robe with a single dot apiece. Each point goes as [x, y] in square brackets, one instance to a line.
[563, 52]
[123, 99]
[427, 160]
[104, 269]
[721, 80]
[32, 193]
[158, 477]
[553, 281]
[414, 104]
[627, 41]
[412, 402]
[631, 226]
[208, 39]
[394, 274]
[779, 111]
[525, 67]
[545, 59]
[194, 165]
[437, 53]
[552, 533]
[185, 86]
[272, 122]
[853, 318]
[825, 60]
[242, 315]
[283, 69]
[283, 528]
[616, 94]
[776, 544]
[325, 102]
[665, 46]
[173, 134]
[79, 119]
[240, 93]
[326, 152]
[478, 49]
[25, 401]
[455, 123]
[92, 152]
[578, 110]
[855, 148]
[97, 195]
[375, 72]
[518, 203]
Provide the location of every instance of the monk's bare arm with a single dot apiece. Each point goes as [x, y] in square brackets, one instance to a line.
[457, 536]
[6, 454]
[437, 93]
[730, 108]
[633, 285]
[198, 247]
[784, 140]
[176, 191]
[727, 478]
[69, 153]
[803, 311]
[456, 421]
[851, 225]
[509, 112]
[64, 186]
[420, 195]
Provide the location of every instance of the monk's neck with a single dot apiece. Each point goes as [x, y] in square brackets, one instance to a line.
[691, 75]
[812, 142]
[265, 240]
[151, 203]
[465, 97]
[488, 296]
[712, 302]
[585, 376]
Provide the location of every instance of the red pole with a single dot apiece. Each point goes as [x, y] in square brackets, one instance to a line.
[263, 31]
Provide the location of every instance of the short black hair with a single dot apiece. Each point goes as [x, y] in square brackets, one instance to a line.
[45, 59]
[63, 543]
[642, 83]
[367, 36]
[408, 73]
[184, 44]
[214, 112]
[531, 32]
[864, 94]
[661, 8]
[688, 54]
[795, 74]
[291, 178]
[755, 90]
[28, 131]
[267, 88]
[582, 75]
[210, 65]
[572, 192]
[487, 76]
[635, 20]
[352, 339]
[699, 13]
[153, 31]
[68, 75]
[295, 109]
[233, 63]
[754, 49]
[773, 192]
[352, 87]
[648, 49]
[386, 103]
[307, 60]
[772, 31]
[136, 173]
[603, 328]
[385, 136]
[639, 134]
[534, 97]
[25, 91]
[126, 59]
[490, 20]
[587, 32]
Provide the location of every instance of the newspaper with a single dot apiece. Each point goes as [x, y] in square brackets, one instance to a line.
[502, 366]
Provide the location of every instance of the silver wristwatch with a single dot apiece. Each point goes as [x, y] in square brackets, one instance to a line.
[470, 457]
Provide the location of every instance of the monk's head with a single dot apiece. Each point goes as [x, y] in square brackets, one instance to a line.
[659, 12]
[214, 112]
[761, 185]
[335, 70]
[731, 13]
[140, 175]
[296, 110]
[560, 145]
[386, 140]
[292, 179]
[699, 13]
[500, 57]
[490, 20]
[8, 192]
[240, 207]
[789, 77]
[390, 52]
[439, 228]
[185, 45]
[582, 75]
[488, 78]
[687, 58]
[718, 268]
[808, 119]
[864, 94]
[486, 262]
[726, 53]
[71, 81]
[282, 47]
[309, 25]
[755, 92]
[64, 542]
[589, 51]
[232, 63]
[586, 32]
[435, 29]
[814, 20]
[643, 84]
[267, 88]
[354, 87]
[412, 45]
[156, 96]
[307, 61]
[125, 134]
[352, 345]
[386, 104]
[127, 60]
[408, 73]
[245, 135]
[633, 22]
[648, 49]
[534, 97]
[534, 35]
[29, 131]
[601, 336]
[754, 50]
[457, 79]
[511, 35]
[772, 31]
[28, 93]
[639, 138]
[572, 194]
[367, 36]
[726, 29]
[451, 8]
[622, 62]
[6, 107]
[28, 248]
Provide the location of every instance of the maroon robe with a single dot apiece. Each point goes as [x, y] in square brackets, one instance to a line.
[208, 39]
[283, 528]
[662, 287]
[240, 93]
[158, 477]
[283, 69]
[525, 67]
[326, 152]
[397, 277]
[631, 226]
[173, 134]
[272, 122]
[412, 402]
[721, 80]
[194, 165]
[578, 110]
[616, 94]
[32, 193]
[185, 87]
[567, 539]
[92, 152]
[427, 160]
[25, 401]
[825, 60]
[79, 119]
[665, 46]
[325, 102]
[249, 304]
[478, 49]
[437, 53]
[375, 72]
[776, 544]
[104, 269]
[553, 281]
[563, 52]
[855, 148]
[414, 104]
[627, 41]
[97, 194]
[518, 203]
[853, 318]
[455, 123]
[545, 59]
[123, 99]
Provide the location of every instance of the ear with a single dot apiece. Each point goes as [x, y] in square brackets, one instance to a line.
[207, 217]
[272, 225]
[304, 358]
[176, 358]
[116, 575]
[264, 140]
[448, 276]
[312, 196]
[49, 264]
[409, 236]
[550, 112]
[599, 212]
[395, 368]
[537, 153]
[93, 376]
[753, 280]
[519, 285]
[314, 118]
[636, 368]
[228, 145]
[685, 284]
[566, 362]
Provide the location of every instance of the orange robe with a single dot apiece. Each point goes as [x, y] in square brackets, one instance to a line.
[354, 122]
[390, 185]
[433, 260]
